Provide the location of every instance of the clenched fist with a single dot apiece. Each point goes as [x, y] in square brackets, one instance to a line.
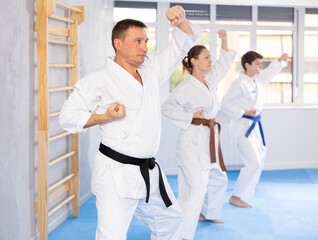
[284, 57]
[175, 15]
[116, 111]
[198, 114]
[222, 34]
[251, 113]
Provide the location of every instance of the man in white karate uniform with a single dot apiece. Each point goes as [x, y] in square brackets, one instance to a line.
[123, 99]
[243, 102]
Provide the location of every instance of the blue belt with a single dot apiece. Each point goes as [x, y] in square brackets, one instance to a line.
[256, 119]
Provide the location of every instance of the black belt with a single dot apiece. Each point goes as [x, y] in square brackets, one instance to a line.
[144, 164]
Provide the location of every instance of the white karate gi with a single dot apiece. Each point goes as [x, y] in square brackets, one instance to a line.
[245, 94]
[201, 185]
[119, 188]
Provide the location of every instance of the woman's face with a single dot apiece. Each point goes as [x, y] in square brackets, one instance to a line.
[203, 62]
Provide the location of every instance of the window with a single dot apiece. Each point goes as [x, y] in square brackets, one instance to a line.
[270, 34]
[311, 67]
[238, 41]
[152, 43]
[238, 21]
[271, 44]
[311, 17]
[179, 75]
[275, 16]
[237, 15]
[311, 56]
[142, 11]
[197, 13]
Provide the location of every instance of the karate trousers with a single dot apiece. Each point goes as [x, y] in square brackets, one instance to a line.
[200, 192]
[115, 213]
[253, 154]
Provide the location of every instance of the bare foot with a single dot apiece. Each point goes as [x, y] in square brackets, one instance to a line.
[238, 202]
[202, 218]
[217, 221]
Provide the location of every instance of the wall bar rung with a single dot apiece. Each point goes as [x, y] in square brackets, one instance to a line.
[62, 65]
[62, 181]
[67, 200]
[57, 41]
[57, 160]
[75, 9]
[54, 114]
[59, 18]
[55, 30]
[61, 89]
[58, 192]
[59, 136]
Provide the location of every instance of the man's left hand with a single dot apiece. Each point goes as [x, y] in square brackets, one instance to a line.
[175, 15]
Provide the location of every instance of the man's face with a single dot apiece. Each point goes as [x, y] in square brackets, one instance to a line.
[133, 47]
[255, 67]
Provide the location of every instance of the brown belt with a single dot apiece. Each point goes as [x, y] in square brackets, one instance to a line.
[211, 123]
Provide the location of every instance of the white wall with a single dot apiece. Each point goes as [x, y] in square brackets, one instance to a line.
[17, 216]
[291, 135]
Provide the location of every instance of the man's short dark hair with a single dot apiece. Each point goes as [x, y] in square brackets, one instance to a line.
[122, 26]
[249, 57]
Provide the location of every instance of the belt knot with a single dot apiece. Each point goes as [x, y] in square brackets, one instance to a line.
[256, 119]
[151, 163]
[211, 123]
[144, 164]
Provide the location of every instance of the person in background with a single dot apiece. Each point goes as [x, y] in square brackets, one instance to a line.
[192, 106]
[243, 103]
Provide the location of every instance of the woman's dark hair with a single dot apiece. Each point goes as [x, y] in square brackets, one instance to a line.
[194, 52]
[122, 26]
[249, 57]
